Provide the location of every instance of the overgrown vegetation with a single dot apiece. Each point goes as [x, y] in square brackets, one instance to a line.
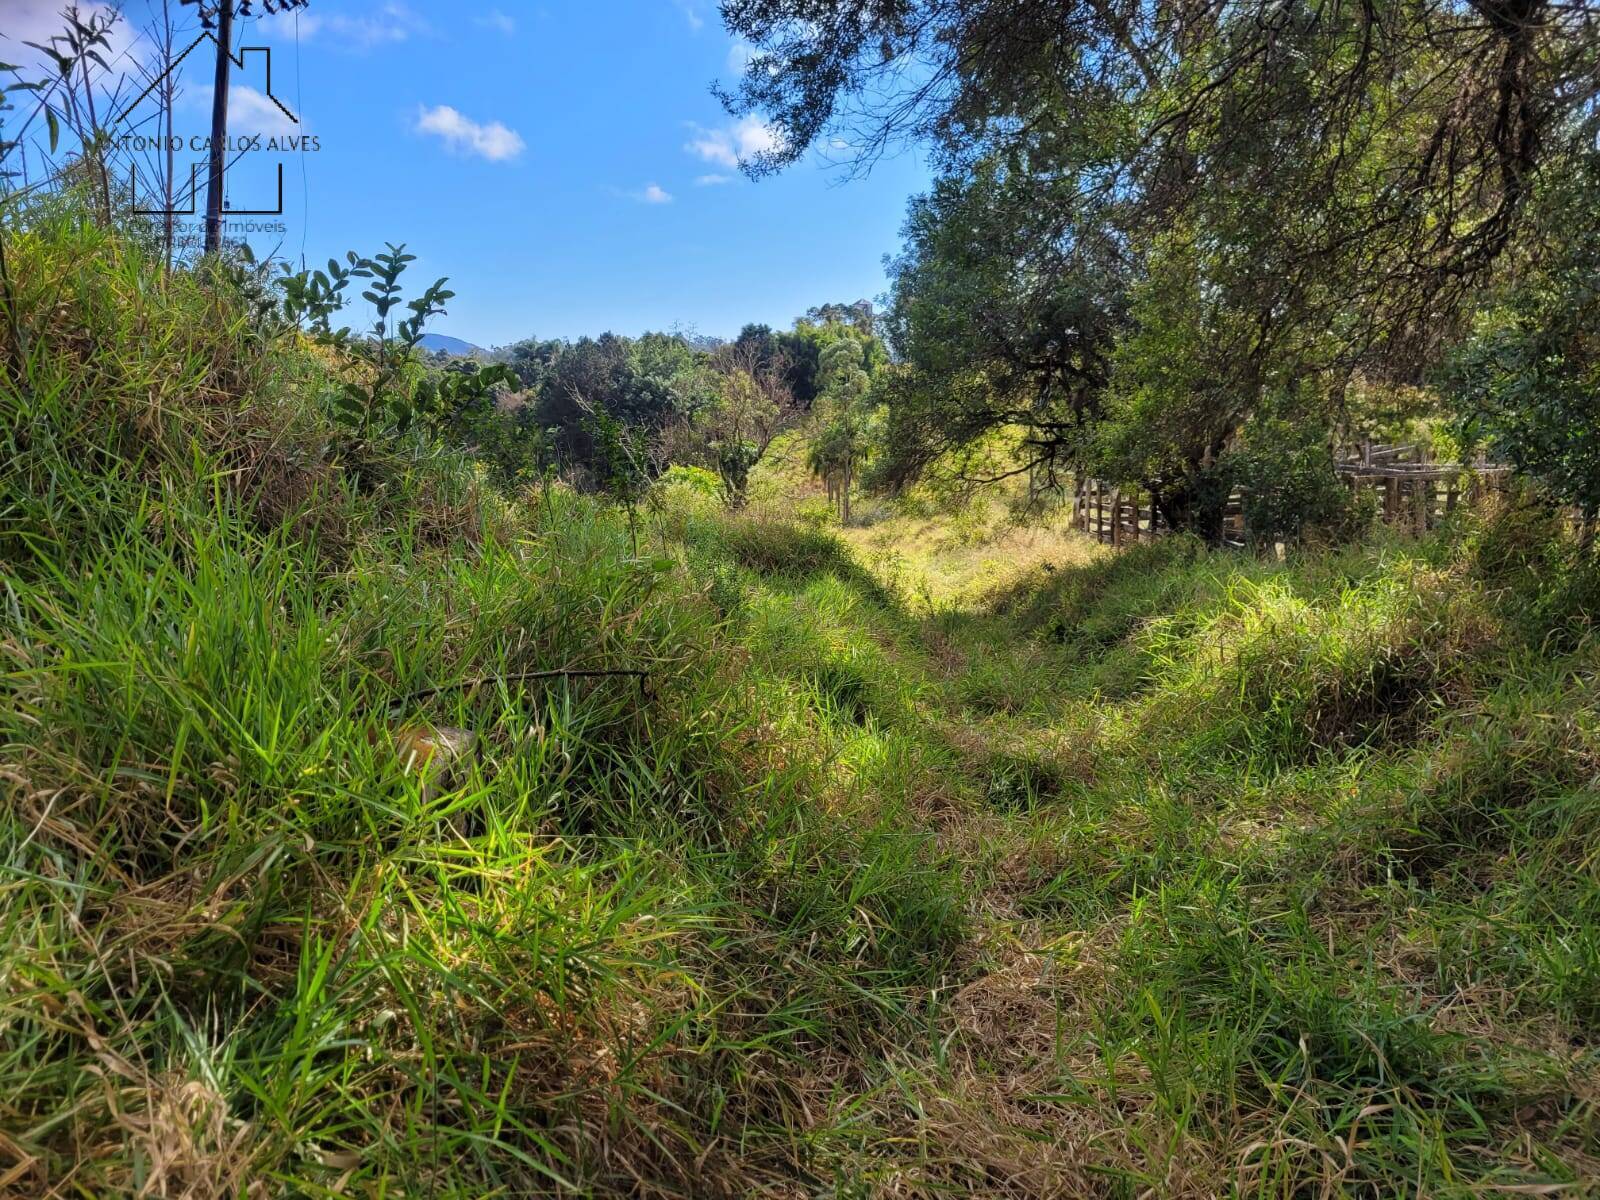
[327, 870]
[694, 402]
[665, 768]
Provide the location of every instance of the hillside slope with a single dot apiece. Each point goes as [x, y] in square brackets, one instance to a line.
[1172, 873]
[450, 345]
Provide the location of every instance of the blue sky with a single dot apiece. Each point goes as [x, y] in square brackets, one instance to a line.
[563, 163]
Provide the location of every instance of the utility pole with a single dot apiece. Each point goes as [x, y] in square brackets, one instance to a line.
[219, 127]
[168, 95]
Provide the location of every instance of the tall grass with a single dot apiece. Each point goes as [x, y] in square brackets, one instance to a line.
[1172, 873]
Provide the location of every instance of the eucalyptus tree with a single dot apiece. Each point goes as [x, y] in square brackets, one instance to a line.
[844, 438]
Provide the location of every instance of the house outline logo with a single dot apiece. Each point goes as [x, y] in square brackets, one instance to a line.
[238, 59]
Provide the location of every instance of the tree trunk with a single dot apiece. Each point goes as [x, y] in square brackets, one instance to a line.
[1190, 508]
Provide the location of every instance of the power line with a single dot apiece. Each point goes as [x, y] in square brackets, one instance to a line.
[305, 188]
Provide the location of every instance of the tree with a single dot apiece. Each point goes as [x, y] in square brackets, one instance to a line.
[1179, 391]
[1330, 187]
[530, 360]
[843, 441]
[1004, 317]
[646, 383]
[859, 316]
[742, 403]
[813, 333]
[1527, 383]
[759, 345]
[1314, 103]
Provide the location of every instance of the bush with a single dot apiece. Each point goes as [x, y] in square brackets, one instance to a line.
[1283, 464]
[1549, 582]
[1280, 677]
[1527, 382]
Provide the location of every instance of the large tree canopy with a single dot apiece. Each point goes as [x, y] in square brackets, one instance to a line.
[1278, 190]
[1004, 311]
[1419, 122]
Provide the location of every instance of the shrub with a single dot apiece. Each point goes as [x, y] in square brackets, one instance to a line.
[1527, 382]
[1284, 677]
[1283, 464]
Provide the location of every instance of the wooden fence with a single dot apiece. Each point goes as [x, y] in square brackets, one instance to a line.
[1414, 494]
[1115, 515]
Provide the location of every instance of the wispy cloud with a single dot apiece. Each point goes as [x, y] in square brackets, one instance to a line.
[493, 141]
[385, 25]
[691, 13]
[734, 144]
[739, 56]
[496, 20]
[711, 180]
[650, 193]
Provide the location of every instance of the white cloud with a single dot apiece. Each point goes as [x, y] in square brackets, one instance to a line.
[249, 111]
[493, 141]
[40, 20]
[498, 21]
[739, 56]
[735, 144]
[389, 23]
[651, 193]
[711, 180]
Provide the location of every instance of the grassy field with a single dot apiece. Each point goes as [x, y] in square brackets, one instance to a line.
[940, 545]
[942, 855]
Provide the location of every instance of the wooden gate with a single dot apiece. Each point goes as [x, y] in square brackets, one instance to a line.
[1413, 494]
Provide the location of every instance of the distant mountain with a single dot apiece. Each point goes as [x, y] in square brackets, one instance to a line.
[450, 345]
